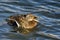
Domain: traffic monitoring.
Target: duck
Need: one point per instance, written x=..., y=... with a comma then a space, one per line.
x=23, y=21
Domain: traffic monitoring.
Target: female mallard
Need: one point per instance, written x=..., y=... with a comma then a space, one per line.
x=27, y=22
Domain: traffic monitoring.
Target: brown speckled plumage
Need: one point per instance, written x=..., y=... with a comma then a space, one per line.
x=28, y=21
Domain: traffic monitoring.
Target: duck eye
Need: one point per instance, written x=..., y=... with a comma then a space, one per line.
x=35, y=17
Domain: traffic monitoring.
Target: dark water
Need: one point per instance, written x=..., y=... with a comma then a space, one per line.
x=48, y=12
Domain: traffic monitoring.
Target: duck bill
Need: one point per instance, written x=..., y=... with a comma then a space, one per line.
x=36, y=20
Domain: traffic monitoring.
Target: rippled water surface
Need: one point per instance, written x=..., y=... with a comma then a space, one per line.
x=48, y=12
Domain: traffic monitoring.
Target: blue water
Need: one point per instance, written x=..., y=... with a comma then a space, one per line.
x=47, y=11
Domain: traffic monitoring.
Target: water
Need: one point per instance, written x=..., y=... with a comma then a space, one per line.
x=48, y=12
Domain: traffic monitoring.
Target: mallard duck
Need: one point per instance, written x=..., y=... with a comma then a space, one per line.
x=27, y=21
